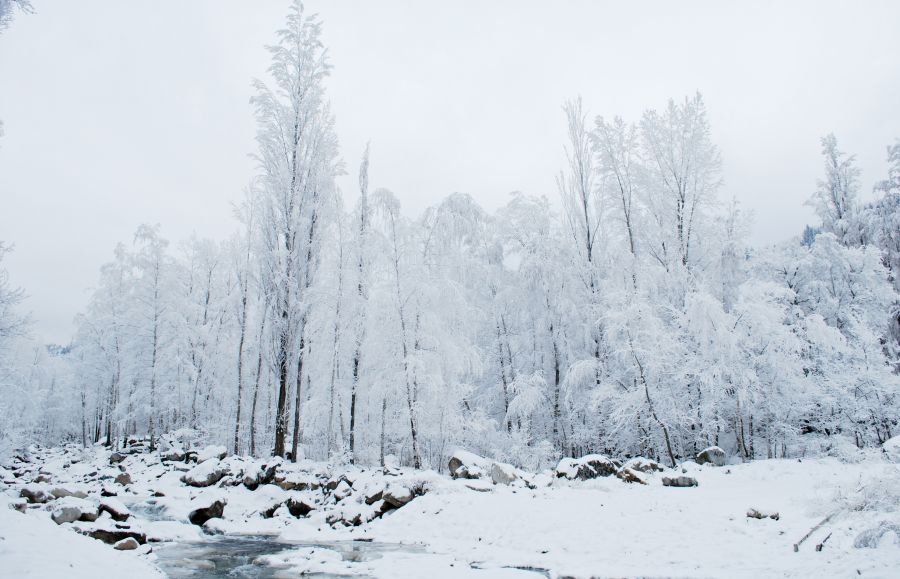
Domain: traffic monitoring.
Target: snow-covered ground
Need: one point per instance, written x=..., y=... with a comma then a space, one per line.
x=538, y=525
x=34, y=546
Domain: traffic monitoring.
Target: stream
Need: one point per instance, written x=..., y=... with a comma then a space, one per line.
x=236, y=557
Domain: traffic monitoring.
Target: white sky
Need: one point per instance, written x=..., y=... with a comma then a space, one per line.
x=118, y=113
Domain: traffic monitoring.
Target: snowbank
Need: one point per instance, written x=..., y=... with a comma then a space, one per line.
x=34, y=546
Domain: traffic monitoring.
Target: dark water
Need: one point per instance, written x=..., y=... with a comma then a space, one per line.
x=236, y=557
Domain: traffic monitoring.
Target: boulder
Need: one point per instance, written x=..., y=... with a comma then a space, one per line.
x=36, y=494
x=713, y=456
x=334, y=482
x=71, y=509
x=126, y=544
x=206, y=510
x=374, y=496
x=123, y=478
x=398, y=495
x=679, y=481
x=587, y=467
x=342, y=491
x=107, y=490
x=468, y=465
x=116, y=509
x=263, y=476
x=20, y=505
x=173, y=455
x=219, y=452
x=645, y=465
x=60, y=492
x=502, y=473
x=41, y=478
x=205, y=474
x=112, y=535
x=298, y=508
x=116, y=458
x=296, y=482
x=758, y=514
x=630, y=475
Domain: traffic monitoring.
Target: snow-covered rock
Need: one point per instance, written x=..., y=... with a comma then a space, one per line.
x=206, y=508
x=713, y=456
x=205, y=474
x=645, y=465
x=265, y=474
x=111, y=533
x=587, y=467
x=398, y=494
x=342, y=491
x=762, y=514
x=465, y=464
x=298, y=481
x=36, y=493
x=219, y=452
x=630, y=475
x=298, y=508
x=116, y=509
x=503, y=474
x=123, y=479
x=126, y=544
x=71, y=509
x=60, y=492
x=679, y=481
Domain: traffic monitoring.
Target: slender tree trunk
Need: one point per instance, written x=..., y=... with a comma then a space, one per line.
x=298, y=399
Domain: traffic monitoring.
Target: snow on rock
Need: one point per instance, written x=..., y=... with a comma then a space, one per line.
x=630, y=475
x=465, y=464
x=587, y=467
x=127, y=544
x=503, y=474
x=398, y=494
x=261, y=475
x=762, y=514
x=24, y=544
x=713, y=456
x=116, y=509
x=679, y=481
x=71, y=509
x=645, y=465
x=60, y=492
x=204, y=508
x=300, y=481
x=110, y=532
x=205, y=474
x=36, y=493
x=219, y=452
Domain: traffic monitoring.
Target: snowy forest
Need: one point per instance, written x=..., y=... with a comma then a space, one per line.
x=624, y=314
x=611, y=379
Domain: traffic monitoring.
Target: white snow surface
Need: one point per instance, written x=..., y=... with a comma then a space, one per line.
x=34, y=546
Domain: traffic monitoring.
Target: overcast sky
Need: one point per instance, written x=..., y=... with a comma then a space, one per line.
x=118, y=113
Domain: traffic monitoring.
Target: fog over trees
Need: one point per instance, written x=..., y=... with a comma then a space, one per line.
x=632, y=318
